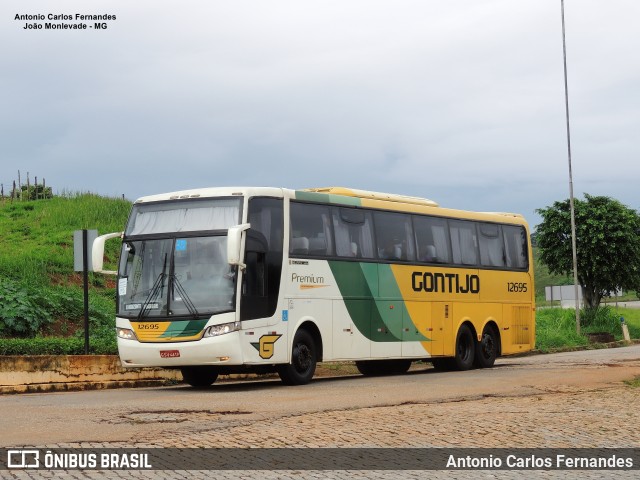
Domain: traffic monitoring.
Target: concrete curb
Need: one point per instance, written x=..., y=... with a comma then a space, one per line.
x=55, y=373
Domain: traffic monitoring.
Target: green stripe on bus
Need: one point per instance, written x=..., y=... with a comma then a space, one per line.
x=374, y=301
x=356, y=282
x=184, y=328
x=328, y=198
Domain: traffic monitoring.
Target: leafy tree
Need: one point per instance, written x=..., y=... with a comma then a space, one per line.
x=607, y=243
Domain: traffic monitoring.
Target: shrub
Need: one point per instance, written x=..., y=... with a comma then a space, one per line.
x=100, y=343
x=556, y=328
x=22, y=311
x=600, y=319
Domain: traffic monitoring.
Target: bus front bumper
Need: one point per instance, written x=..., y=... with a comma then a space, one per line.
x=221, y=350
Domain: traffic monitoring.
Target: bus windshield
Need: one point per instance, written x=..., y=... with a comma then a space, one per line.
x=175, y=277
x=173, y=261
x=184, y=216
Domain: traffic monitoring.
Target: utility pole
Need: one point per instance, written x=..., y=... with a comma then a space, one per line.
x=571, y=203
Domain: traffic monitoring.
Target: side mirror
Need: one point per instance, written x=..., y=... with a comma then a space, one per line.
x=97, y=253
x=234, y=244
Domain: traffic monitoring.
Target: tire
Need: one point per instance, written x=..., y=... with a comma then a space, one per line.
x=465, y=349
x=303, y=360
x=374, y=368
x=397, y=367
x=487, y=349
x=441, y=364
x=367, y=368
x=199, y=376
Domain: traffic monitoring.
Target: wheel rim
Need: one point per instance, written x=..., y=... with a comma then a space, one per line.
x=303, y=358
x=487, y=346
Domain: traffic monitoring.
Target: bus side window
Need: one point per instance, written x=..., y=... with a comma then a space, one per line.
x=515, y=239
x=310, y=230
x=491, y=243
x=432, y=238
x=353, y=232
x=394, y=236
x=464, y=242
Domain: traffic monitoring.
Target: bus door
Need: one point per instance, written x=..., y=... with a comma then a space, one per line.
x=441, y=329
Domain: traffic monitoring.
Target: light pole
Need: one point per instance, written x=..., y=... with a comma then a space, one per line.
x=571, y=206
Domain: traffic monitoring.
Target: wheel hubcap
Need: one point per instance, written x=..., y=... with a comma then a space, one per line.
x=303, y=358
x=487, y=346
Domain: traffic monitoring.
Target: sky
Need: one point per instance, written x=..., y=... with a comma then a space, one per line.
x=458, y=101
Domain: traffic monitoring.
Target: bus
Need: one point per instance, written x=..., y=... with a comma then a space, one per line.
x=230, y=280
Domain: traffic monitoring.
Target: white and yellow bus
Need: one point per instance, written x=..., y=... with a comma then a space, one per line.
x=227, y=280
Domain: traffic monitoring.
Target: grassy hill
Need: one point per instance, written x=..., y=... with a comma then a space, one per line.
x=37, y=237
x=40, y=294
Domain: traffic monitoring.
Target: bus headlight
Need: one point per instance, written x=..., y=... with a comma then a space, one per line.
x=126, y=333
x=216, y=330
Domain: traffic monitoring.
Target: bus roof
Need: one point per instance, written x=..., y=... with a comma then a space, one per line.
x=373, y=199
x=389, y=197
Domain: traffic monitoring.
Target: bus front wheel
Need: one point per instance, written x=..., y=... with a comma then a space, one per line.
x=199, y=376
x=465, y=349
x=303, y=360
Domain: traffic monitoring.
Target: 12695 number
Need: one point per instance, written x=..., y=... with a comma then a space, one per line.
x=516, y=287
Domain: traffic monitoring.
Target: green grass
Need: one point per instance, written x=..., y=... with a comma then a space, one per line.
x=36, y=242
x=556, y=327
x=41, y=294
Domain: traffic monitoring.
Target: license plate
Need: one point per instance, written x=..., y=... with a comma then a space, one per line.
x=169, y=353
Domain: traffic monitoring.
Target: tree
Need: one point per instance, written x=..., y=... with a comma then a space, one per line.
x=607, y=243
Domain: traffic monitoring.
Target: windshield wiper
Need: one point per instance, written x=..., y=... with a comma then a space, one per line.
x=158, y=286
x=183, y=295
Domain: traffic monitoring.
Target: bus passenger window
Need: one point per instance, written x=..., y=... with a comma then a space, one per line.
x=491, y=245
x=515, y=238
x=432, y=238
x=310, y=230
x=353, y=233
x=394, y=236
x=463, y=242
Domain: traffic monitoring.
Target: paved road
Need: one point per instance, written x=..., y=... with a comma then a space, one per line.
x=575, y=399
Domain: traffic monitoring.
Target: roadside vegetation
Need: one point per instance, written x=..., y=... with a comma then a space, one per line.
x=41, y=299
x=556, y=327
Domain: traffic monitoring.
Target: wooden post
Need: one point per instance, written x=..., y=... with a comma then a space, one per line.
x=44, y=187
x=13, y=192
x=28, y=188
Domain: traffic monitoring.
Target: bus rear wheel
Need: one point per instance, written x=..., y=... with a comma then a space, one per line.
x=303, y=360
x=199, y=376
x=487, y=349
x=465, y=349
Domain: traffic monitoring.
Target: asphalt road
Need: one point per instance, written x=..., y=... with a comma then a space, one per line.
x=182, y=416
